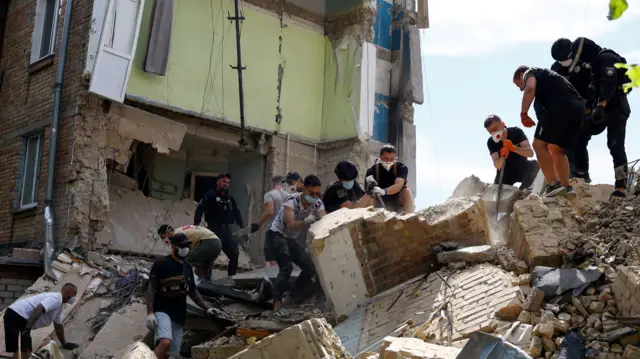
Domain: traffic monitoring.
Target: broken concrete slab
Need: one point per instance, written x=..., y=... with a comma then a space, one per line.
x=413, y=348
x=221, y=348
x=626, y=290
x=469, y=187
x=590, y=197
x=123, y=327
x=508, y=197
x=311, y=339
x=366, y=251
x=137, y=350
x=540, y=227
x=476, y=294
x=475, y=254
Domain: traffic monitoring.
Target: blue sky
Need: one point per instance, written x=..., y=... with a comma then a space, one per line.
x=468, y=60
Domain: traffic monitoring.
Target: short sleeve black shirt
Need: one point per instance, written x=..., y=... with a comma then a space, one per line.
x=516, y=165
x=173, y=281
x=335, y=195
x=553, y=91
x=386, y=178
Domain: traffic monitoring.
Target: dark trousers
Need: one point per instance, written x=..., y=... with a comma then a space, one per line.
x=14, y=327
x=618, y=112
x=286, y=252
x=525, y=178
x=229, y=247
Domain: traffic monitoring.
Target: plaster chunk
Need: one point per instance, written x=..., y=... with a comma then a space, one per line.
x=413, y=348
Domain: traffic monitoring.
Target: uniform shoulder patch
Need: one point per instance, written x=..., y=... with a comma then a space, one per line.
x=609, y=71
x=342, y=193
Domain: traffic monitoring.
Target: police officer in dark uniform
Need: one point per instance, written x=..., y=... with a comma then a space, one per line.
x=346, y=191
x=611, y=109
x=220, y=212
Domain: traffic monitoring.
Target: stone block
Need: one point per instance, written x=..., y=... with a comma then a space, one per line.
x=311, y=339
x=137, y=350
x=359, y=253
x=413, y=348
x=475, y=254
x=631, y=352
x=540, y=228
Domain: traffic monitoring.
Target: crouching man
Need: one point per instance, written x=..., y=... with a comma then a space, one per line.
x=204, y=247
x=36, y=312
x=170, y=281
x=298, y=212
x=346, y=192
x=390, y=179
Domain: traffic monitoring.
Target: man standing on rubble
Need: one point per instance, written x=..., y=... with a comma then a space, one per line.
x=170, y=281
x=346, y=192
x=559, y=109
x=611, y=108
x=272, y=202
x=204, y=247
x=220, y=212
x=510, y=144
x=36, y=312
x=389, y=178
x=298, y=211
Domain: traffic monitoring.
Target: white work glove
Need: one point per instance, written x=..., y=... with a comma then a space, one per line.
x=215, y=312
x=379, y=191
x=152, y=322
x=311, y=219
x=370, y=180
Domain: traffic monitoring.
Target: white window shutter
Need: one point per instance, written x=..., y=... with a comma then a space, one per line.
x=117, y=48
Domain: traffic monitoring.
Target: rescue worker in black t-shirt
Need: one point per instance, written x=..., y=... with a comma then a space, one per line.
x=559, y=109
x=610, y=109
x=220, y=212
x=388, y=178
x=510, y=144
x=346, y=191
x=170, y=281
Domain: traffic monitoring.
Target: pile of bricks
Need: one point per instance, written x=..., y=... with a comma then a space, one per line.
x=12, y=289
x=626, y=290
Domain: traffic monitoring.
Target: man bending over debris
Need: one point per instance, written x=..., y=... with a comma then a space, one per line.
x=503, y=142
x=220, y=212
x=35, y=312
x=204, y=247
x=272, y=202
x=346, y=192
x=170, y=280
x=298, y=211
x=559, y=109
x=390, y=179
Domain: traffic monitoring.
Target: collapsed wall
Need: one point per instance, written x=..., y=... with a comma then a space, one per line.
x=359, y=253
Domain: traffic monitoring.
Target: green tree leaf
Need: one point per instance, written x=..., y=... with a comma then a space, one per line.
x=617, y=8
x=633, y=73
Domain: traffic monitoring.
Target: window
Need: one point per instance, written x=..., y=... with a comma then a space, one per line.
x=43, y=41
x=29, y=171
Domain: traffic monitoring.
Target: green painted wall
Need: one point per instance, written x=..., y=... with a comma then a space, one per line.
x=341, y=107
x=199, y=78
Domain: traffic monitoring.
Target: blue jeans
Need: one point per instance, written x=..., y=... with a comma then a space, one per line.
x=168, y=329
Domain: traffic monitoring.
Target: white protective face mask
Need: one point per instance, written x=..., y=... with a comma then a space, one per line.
x=182, y=252
x=566, y=63
x=497, y=136
x=387, y=165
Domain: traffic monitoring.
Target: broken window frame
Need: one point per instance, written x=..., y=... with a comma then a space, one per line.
x=28, y=162
x=45, y=28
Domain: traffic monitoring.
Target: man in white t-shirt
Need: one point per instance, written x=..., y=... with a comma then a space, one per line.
x=272, y=202
x=298, y=212
x=36, y=312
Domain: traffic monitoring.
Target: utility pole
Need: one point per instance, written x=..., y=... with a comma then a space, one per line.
x=237, y=18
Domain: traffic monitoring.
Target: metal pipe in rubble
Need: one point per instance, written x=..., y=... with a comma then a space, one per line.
x=49, y=244
x=239, y=68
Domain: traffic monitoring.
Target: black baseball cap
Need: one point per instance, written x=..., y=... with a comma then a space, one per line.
x=180, y=240
x=293, y=176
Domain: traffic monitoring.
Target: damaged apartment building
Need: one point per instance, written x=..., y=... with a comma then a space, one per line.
x=142, y=104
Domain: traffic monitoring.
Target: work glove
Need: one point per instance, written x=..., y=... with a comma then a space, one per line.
x=215, y=312
x=379, y=191
x=508, y=145
x=371, y=180
x=255, y=227
x=311, y=219
x=152, y=322
x=70, y=346
x=526, y=120
x=504, y=152
x=598, y=116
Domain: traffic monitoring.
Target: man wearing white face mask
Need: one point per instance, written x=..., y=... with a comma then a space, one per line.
x=510, y=144
x=36, y=312
x=346, y=191
x=170, y=281
x=391, y=176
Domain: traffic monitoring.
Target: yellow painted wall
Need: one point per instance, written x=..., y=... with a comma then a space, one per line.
x=199, y=78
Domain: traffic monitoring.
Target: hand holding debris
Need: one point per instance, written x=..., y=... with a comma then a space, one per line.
x=379, y=191
x=215, y=312
x=255, y=227
x=370, y=180
x=152, y=322
x=70, y=346
x=311, y=219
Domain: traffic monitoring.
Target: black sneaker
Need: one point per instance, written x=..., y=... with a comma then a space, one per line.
x=617, y=194
x=571, y=194
x=553, y=190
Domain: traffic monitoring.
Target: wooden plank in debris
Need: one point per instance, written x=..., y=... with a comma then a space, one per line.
x=248, y=333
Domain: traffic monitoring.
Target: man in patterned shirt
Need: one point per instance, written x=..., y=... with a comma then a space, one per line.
x=298, y=212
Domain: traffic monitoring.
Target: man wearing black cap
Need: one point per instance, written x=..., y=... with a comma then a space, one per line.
x=389, y=178
x=220, y=212
x=346, y=191
x=204, y=247
x=610, y=110
x=170, y=281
